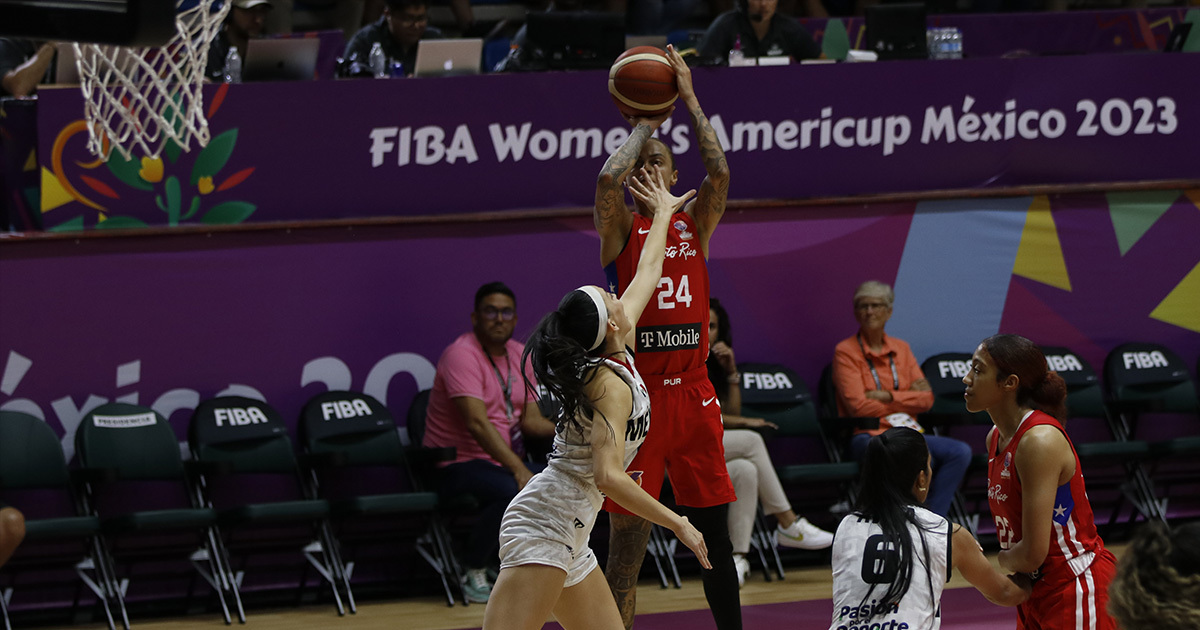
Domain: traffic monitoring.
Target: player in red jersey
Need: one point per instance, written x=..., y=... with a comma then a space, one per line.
x=672, y=345
x=1035, y=488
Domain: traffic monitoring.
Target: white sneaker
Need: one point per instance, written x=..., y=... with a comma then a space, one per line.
x=475, y=586
x=803, y=535
x=743, y=568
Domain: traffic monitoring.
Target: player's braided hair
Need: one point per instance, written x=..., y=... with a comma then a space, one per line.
x=1157, y=585
x=891, y=464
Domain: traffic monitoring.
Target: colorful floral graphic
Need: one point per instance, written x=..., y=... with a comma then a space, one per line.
x=137, y=192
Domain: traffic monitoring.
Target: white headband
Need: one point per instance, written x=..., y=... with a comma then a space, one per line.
x=601, y=312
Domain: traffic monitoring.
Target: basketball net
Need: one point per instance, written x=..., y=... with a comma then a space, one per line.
x=145, y=97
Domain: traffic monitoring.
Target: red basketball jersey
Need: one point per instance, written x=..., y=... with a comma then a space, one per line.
x=672, y=335
x=1074, y=541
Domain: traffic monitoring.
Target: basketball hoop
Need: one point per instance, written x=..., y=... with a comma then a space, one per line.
x=147, y=96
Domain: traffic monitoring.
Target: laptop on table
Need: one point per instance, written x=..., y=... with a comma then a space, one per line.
x=448, y=57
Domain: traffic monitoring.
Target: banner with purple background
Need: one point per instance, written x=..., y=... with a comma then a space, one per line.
x=367, y=148
x=169, y=320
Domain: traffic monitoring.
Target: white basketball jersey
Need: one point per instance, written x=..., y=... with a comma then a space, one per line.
x=863, y=557
x=573, y=448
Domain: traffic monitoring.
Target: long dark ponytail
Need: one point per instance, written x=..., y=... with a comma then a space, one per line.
x=891, y=464
x=557, y=349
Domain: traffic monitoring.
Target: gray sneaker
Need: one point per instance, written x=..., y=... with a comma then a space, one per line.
x=475, y=586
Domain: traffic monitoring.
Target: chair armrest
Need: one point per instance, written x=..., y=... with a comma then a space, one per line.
x=331, y=459
x=93, y=475
x=197, y=467
x=427, y=456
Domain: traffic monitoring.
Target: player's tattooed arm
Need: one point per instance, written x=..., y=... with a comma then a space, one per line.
x=709, y=206
x=612, y=218
x=610, y=196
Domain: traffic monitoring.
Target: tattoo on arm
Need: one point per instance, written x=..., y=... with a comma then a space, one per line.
x=710, y=202
x=610, y=198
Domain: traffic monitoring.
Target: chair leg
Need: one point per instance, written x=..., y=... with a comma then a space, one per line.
x=431, y=549
x=113, y=592
x=441, y=537
x=324, y=568
x=231, y=581
x=666, y=547
x=333, y=551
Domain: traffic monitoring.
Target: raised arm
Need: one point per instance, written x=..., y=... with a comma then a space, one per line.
x=974, y=566
x=611, y=215
x=613, y=404
x=709, y=206
x=652, y=191
x=1044, y=461
x=23, y=80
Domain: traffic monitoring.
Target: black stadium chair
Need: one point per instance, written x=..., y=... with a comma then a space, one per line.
x=136, y=481
x=806, y=456
x=31, y=459
x=1098, y=453
x=248, y=472
x=948, y=415
x=1146, y=380
x=346, y=434
x=425, y=474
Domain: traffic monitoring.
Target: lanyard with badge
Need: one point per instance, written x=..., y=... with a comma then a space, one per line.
x=514, y=429
x=896, y=419
x=871, y=364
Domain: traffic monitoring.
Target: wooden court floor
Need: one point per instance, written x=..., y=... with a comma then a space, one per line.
x=431, y=613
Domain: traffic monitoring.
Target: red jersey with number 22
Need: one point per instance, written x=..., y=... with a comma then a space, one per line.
x=672, y=335
x=1074, y=541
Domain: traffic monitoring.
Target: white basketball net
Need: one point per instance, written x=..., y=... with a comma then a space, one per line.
x=148, y=96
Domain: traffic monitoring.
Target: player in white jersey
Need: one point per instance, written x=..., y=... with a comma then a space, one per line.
x=891, y=556
x=581, y=353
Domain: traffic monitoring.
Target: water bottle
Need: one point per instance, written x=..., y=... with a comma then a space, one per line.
x=954, y=48
x=378, y=61
x=233, y=66
x=736, y=56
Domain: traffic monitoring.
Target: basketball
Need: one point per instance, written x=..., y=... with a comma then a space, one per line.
x=642, y=82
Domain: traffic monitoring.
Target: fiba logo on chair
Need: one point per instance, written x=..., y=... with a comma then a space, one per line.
x=341, y=409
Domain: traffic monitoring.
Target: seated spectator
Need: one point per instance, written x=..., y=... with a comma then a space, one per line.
x=12, y=531
x=877, y=376
x=246, y=19
x=404, y=23
x=24, y=63
x=525, y=55
x=761, y=31
x=746, y=457
x=1157, y=586
x=480, y=406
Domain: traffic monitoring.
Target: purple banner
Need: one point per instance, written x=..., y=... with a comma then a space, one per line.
x=170, y=320
x=371, y=148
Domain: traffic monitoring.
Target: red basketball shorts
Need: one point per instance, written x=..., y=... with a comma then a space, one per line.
x=1072, y=603
x=685, y=441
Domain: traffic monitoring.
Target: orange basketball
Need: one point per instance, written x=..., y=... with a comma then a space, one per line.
x=642, y=82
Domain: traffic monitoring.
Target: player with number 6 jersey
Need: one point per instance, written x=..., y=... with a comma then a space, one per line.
x=672, y=345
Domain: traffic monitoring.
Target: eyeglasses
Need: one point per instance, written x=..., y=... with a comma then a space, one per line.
x=492, y=313
x=867, y=306
x=410, y=20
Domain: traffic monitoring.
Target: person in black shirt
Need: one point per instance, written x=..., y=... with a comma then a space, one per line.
x=404, y=23
x=763, y=32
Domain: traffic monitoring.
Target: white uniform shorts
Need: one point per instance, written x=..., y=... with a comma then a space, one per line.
x=549, y=522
